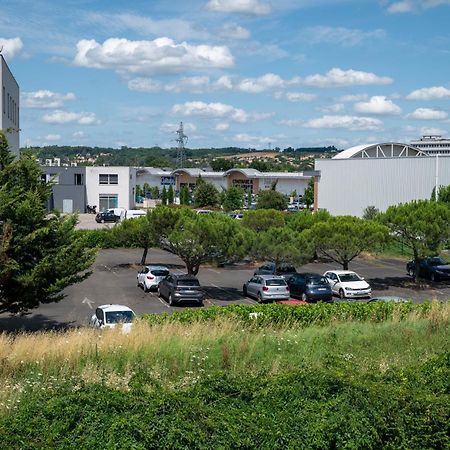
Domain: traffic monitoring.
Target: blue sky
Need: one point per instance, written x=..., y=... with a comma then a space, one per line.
x=248, y=73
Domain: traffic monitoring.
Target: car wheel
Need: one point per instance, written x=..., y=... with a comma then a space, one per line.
x=102, y=221
x=171, y=301
x=159, y=293
x=260, y=299
x=341, y=294
x=411, y=272
x=244, y=290
x=304, y=298
x=146, y=289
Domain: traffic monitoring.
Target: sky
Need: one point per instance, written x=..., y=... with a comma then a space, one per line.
x=246, y=73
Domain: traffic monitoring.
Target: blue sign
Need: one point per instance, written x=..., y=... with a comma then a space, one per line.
x=167, y=181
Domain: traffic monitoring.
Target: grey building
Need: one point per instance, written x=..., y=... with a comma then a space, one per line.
x=9, y=101
x=69, y=188
x=378, y=175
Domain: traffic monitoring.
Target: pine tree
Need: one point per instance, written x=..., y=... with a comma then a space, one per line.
x=164, y=196
x=170, y=195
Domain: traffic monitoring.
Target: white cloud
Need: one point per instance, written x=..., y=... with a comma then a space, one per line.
x=353, y=98
x=427, y=131
x=337, y=77
x=65, y=117
x=250, y=7
x=263, y=83
x=431, y=93
x=337, y=107
x=222, y=126
x=341, y=36
x=173, y=127
x=161, y=55
x=428, y=114
x=44, y=99
x=300, y=97
x=348, y=122
x=292, y=122
x=234, y=31
x=251, y=140
x=378, y=104
x=11, y=47
x=52, y=137
x=78, y=134
x=407, y=6
x=196, y=85
x=144, y=85
x=217, y=110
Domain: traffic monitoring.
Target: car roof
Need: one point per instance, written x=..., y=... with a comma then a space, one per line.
x=115, y=307
x=309, y=274
x=185, y=276
x=340, y=272
x=271, y=277
x=156, y=267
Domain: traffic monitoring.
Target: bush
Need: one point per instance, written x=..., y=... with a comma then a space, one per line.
x=102, y=238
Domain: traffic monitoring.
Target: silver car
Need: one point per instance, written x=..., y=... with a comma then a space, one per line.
x=266, y=288
x=150, y=276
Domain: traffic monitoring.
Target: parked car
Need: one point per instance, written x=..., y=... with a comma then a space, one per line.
x=204, y=211
x=106, y=216
x=109, y=316
x=150, y=276
x=388, y=299
x=132, y=214
x=181, y=288
x=237, y=216
x=347, y=284
x=266, y=287
x=310, y=287
x=270, y=268
x=434, y=268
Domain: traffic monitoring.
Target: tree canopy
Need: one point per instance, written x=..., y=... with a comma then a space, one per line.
x=263, y=219
x=232, y=198
x=205, y=194
x=271, y=199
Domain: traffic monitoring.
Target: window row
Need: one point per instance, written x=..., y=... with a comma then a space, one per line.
x=10, y=107
x=108, y=179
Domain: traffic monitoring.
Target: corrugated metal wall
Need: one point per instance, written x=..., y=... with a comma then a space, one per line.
x=348, y=186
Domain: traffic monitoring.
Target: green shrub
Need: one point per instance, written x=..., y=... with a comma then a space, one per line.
x=101, y=238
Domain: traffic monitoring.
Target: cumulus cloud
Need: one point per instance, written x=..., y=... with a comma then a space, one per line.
x=45, y=99
x=221, y=110
x=144, y=85
x=353, y=98
x=196, y=85
x=407, y=6
x=300, y=97
x=337, y=107
x=222, y=126
x=234, y=31
x=428, y=114
x=251, y=140
x=78, y=134
x=377, y=104
x=263, y=83
x=337, y=77
x=65, y=117
x=52, y=137
x=250, y=7
x=161, y=55
x=348, y=122
x=346, y=37
x=431, y=93
x=11, y=47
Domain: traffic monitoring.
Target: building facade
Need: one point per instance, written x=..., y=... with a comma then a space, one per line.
x=433, y=145
x=10, y=113
x=357, y=178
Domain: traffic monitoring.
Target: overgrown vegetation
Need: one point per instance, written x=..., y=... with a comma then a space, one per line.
x=348, y=383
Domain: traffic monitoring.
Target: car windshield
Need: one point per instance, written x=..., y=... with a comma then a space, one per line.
x=160, y=272
x=437, y=262
x=119, y=317
x=346, y=277
x=316, y=280
x=275, y=282
x=189, y=283
x=286, y=269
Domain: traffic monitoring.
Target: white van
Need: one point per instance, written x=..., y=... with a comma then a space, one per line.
x=132, y=214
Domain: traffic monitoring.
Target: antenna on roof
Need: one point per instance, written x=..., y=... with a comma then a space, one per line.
x=181, y=152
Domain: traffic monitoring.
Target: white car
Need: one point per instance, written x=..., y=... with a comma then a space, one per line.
x=348, y=284
x=150, y=276
x=108, y=316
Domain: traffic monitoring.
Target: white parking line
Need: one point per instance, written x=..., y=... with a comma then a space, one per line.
x=163, y=302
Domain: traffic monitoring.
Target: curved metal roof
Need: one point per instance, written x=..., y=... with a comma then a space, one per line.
x=249, y=173
x=193, y=172
x=384, y=150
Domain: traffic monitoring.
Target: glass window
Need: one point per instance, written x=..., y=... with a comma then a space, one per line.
x=113, y=179
x=160, y=273
x=346, y=277
x=119, y=317
x=108, y=178
x=275, y=282
x=188, y=283
x=78, y=179
x=54, y=178
x=316, y=280
x=108, y=201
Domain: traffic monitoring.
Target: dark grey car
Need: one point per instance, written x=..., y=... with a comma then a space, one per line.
x=270, y=268
x=181, y=288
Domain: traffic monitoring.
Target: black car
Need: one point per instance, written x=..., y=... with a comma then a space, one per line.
x=107, y=216
x=310, y=287
x=270, y=268
x=434, y=268
x=181, y=288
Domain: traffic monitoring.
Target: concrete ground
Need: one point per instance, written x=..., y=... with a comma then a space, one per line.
x=87, y=222
x=114, y=281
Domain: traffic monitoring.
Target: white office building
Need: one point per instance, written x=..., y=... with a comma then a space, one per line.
x=9, y=117
x=433, y=145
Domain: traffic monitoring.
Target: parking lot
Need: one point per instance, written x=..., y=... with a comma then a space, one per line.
x=114, y=281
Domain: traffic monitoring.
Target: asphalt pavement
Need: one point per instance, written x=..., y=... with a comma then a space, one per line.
x=114, y=281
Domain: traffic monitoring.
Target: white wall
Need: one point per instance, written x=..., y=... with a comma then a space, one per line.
x=124, y=188
x=285, y=185
x=348, y=186
x=11, y=92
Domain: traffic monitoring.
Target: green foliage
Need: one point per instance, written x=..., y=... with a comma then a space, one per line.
x=306, y=219
x=371, y=213
x=100, y=238
x=263, y=219
x=308, y=195
x=221, y=164
x=343, y=238
x=443, y=196
x=205, y=194
x=40, y=255
x=271, y=199
x=260, y=165
x=164, y=196
x=170, y=195
x=422, y=225
x=233, y=198
x=6, y=157
x=184, y=196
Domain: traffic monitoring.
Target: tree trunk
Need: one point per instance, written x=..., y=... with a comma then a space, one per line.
x=416, y=266
x=144, y=256
x=192, y=267
x=345, y=264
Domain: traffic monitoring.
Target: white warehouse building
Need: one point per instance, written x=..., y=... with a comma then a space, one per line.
x=378, y=175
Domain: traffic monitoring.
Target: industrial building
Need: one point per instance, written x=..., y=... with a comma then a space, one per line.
x=432, y=145
x=10, y=115
x=378, y=175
